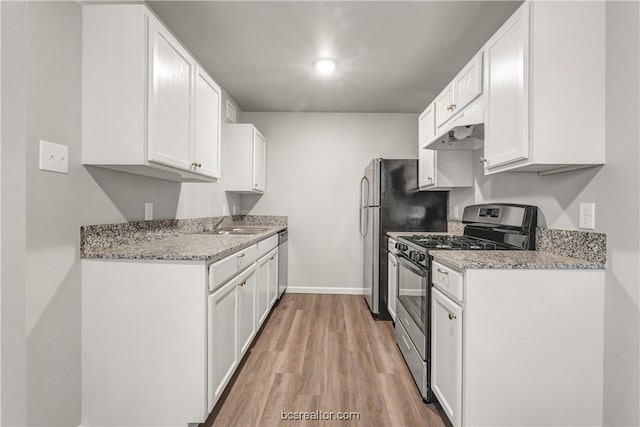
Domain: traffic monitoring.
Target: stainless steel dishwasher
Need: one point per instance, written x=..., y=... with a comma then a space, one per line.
x=283, y=238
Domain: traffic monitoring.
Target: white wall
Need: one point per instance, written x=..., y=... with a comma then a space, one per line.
x=615, y=188
x=12, y=168
x=314, y=165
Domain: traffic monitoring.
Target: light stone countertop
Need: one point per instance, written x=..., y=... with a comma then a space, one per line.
x=513, y=260
x=199, y=246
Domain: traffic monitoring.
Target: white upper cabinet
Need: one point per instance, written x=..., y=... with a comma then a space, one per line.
x=207, y=125
x=440, y=170
x=545, y=89
x=170, y=97
x=244, y=149
x=458, y=94
x=148, y=107
x=444, y=105
x=467, y=85
x=259, y=160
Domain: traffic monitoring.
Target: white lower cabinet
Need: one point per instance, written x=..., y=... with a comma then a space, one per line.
x=223, y=328
x=273, y=277
x=262, y=292
x=507, y=342
x=446, y=354
x=160, y=335
x=246, y=284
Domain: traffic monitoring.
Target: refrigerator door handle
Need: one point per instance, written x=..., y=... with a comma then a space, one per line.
x=366, y=203
x=363, y=206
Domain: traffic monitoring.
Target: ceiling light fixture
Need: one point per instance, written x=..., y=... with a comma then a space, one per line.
x=325, y=66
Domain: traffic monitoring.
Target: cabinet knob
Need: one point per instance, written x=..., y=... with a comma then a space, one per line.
x=451, y=107
x=196, y=164
x=451, y=316
x=483, y=160
x=430, y=179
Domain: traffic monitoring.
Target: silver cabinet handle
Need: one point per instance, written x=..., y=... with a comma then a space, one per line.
x=441, y=271
x=451, y=316
x=241, y=255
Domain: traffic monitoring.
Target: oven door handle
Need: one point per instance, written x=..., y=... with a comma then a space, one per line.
x=411, y=266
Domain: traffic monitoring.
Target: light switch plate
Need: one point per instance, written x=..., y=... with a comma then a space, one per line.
x=588, y=216
x=54, y=157
x=148, y=211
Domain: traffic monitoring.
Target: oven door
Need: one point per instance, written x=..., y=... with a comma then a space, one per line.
x=412, y=311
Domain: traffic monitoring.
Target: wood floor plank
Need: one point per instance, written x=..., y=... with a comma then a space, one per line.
x=324, y=353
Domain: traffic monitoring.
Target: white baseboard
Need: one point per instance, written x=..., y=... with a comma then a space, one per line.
x=324, y=290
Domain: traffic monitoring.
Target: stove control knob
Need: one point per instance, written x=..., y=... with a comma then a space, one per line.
x=421, y=257
x=412, y=254
x=403, y=247
x=397, y=245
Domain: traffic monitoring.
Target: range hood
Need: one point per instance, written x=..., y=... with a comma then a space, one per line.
x=465, y=132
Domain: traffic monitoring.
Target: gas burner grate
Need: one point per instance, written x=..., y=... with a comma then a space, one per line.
x=455, y=242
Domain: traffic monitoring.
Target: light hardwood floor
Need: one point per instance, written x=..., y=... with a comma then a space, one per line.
x=326, y=353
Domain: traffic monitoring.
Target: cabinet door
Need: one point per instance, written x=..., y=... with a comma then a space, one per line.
x=467, y=85
x=259, y=161
x=392, y=287
x=426, y=168
x=246, y=310
x=426, y=158
x=262, y=292
x=444, y=105
x=446, y=355
x=273, y=277
x=222, y=335
x=206, y=134
x=426, y=126
x=171, y=80
x=507, y=101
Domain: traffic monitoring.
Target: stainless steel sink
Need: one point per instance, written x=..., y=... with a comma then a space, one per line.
x=238, y=231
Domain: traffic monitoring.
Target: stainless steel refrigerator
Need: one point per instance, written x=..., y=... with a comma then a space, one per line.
x=390, y=201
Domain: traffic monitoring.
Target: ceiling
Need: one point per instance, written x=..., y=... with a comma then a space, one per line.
x=392, y=56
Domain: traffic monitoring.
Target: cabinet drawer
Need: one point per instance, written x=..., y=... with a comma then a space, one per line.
x=228, y=267
x=267, y=245
x=449, y=281
x=416, y=364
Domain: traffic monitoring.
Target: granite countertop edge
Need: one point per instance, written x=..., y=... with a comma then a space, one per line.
x=513, y=260
x=133, y=252
x=506, y=260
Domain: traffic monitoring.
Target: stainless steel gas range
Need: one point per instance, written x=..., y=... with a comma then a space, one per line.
x=487, y=227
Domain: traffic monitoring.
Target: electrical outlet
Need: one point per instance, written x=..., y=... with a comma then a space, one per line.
x=225, y=210
x=456, y=212
x=588, y=216
x=148, y=211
